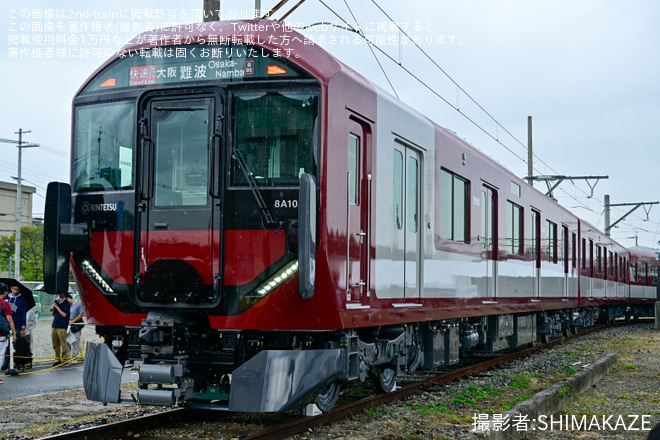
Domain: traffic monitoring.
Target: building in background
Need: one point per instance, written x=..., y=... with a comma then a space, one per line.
x=8, y=207
x=8, y=210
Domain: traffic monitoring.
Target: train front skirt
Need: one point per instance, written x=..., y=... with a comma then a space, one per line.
x=271, y=381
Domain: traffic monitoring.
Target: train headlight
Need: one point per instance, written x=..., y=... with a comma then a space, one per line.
x=273, y=282
x=95, y=276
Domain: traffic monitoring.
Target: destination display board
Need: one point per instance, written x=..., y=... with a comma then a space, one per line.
x=189, y=63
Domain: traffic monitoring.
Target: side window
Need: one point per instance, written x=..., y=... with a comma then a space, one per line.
x=634, y=273
x=353, y=167
x=453, y=207
x=514, y=228
x=574, y=249
x=584, y=253
x=535, y=238
x=397, y=191
x=488, y=202
x=642, y=273
x=552, y=242
x=565, y=246
x=654, y=275
x=412, y=196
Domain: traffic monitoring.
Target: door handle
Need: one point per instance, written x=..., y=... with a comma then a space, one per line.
x=160, y=226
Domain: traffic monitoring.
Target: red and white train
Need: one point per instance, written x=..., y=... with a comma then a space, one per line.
x=256, y=224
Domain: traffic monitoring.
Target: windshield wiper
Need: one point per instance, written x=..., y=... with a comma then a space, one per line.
x=180, y=109
x=265, y=212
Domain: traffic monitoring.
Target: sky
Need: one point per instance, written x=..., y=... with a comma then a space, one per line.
x=587, y=72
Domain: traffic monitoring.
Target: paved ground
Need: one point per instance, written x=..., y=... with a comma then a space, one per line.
x=43, y=378
x=43, y=346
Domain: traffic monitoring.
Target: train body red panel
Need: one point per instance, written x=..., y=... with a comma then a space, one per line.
x=253, y=203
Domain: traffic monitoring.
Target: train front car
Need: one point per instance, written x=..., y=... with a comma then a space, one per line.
x=191, y=218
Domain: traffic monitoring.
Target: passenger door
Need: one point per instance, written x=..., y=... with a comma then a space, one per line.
x=358, y=224
x=488, y=237
x=407, y=218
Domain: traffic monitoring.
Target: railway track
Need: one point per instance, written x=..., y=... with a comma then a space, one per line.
x=130, y=428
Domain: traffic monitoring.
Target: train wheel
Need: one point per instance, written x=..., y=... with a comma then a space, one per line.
x=327, y=397
x=386, y=380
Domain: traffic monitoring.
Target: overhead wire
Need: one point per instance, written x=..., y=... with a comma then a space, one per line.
x=446, y=101
x=372, y=52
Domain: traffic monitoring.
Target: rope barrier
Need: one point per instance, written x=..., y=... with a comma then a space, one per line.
x=65, y=362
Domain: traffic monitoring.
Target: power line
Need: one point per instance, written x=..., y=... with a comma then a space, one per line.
x=348, y=27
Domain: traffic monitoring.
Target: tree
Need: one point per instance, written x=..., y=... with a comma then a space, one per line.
x=32, y=252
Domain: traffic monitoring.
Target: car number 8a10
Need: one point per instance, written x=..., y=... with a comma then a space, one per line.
x=286, y=203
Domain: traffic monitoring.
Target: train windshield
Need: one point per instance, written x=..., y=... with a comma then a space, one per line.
x=103, y=147
x=275, y=133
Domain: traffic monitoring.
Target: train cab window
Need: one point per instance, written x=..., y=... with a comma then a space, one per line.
x=353, y=167
x=181, y=133
x=275, y=132
x=453, y=206
x=103, y=144
x=552, y=242
x=514, y=228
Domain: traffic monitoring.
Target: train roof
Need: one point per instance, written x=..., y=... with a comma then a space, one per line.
x=288, y=43
x=276, y=37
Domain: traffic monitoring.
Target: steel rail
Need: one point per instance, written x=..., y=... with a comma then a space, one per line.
x=121, y=429
x=300, y=425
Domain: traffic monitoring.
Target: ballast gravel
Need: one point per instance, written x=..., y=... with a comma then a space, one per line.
x=447, y=412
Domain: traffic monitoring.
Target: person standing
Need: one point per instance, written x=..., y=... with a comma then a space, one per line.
x=22, y=354
x=31, y=324
x=60, y=309
x=5, y=310
x=76, y=323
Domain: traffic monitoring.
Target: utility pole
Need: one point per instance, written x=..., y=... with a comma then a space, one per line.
x=212, y=10
x=530, y=153
x=19, y=202
x=607, y=214
x=608, y=205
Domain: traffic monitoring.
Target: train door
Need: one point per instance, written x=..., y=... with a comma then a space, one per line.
x=359, y=199
x=488, y=240
x=565, y=254
x=178, y=246
x=536, y=252
x=407, y=227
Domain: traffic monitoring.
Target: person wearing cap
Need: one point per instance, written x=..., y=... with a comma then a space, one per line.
x=5, y=310
x=60, y=309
